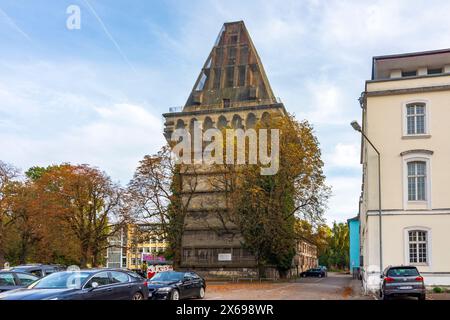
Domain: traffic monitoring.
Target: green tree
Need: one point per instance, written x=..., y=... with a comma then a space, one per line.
x=266, y=208
x=336, y=253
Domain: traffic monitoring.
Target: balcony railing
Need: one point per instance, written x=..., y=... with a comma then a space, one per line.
x=175, y=109
x=220, y=105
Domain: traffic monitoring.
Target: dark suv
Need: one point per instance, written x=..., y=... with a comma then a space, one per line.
x=402, y=281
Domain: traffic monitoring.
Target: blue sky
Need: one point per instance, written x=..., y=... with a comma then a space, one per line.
x=74, y=96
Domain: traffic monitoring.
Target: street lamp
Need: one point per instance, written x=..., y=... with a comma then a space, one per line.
x=355, y=125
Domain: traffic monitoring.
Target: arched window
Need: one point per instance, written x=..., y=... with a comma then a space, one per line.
x=208, y=123
x=222, y=122
x=417, y=180
x=251, y=121
x=418, y=246
x=265, y=118
x=180, y=124
x=417, y=173
x=236, y=123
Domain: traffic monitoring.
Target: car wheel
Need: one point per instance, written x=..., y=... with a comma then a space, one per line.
x=385, y=296
x=422, y=297
x=201, y=293
x=138, y=296
x=175, y=295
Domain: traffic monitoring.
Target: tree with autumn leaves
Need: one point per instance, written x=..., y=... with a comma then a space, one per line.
x=65, y=213
x=263, y=208
x=59, y=214
x=268, y=207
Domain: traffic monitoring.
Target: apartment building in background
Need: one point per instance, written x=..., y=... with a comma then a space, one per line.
x=306, y=257
x=405, y=107
x=134, y=244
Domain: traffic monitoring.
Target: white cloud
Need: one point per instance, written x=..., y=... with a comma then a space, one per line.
x=326, y=103
x=115, y=140
x=344, y=156
x=344, y=202
x=53, y=113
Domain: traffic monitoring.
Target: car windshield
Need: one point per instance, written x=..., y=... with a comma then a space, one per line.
x=168, y=276
x=403, y=272
x=62, y=280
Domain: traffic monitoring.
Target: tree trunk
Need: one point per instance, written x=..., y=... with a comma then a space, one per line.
x=84, y=254
x=2, y=250
x=261, y=269
x=23, y=254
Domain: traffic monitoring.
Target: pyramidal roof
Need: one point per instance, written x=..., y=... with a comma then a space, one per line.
x=232, y=75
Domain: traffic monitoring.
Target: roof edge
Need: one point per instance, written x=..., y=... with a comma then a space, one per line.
x=411, y=54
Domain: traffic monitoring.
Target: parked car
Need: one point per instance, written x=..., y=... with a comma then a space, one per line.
x=93, y=284
x=171, y=285
x=314, y=272
x=402, y=281
x=39, y=270
x=10, y=280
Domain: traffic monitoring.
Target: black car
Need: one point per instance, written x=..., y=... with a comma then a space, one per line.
x=94, y=284
x=402, y=281
x=10, y=280
x=39, y=270
x=315, y=272
x=171, y=285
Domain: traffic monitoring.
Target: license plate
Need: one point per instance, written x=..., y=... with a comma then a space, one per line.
x=405, y=288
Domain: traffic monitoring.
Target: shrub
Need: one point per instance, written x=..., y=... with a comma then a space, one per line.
x=438, y=290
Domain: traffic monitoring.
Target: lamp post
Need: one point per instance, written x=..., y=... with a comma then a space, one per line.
x=355, y=125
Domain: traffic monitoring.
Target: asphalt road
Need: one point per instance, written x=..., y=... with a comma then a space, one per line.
x=334, y=287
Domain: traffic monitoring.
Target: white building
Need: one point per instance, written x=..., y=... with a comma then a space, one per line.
x=405, y=111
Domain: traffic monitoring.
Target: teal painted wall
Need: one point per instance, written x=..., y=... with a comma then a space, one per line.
x=353, y=225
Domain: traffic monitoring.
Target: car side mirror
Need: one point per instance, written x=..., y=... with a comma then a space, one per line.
x=94, y=286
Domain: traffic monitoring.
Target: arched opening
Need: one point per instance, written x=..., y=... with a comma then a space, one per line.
x=250, y=123
x=236, y=123
x=208, y=123
x=180, y=124
x=222, y=122
x=266, y=118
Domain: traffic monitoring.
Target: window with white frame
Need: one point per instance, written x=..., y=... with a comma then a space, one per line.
x=416, y=118
x=418, y=246
x=417, y=177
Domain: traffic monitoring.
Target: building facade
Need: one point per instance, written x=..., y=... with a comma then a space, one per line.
x=134, y=244
x=305, y=257
x=354, y=247
x=232, y=91
x=404, y=110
